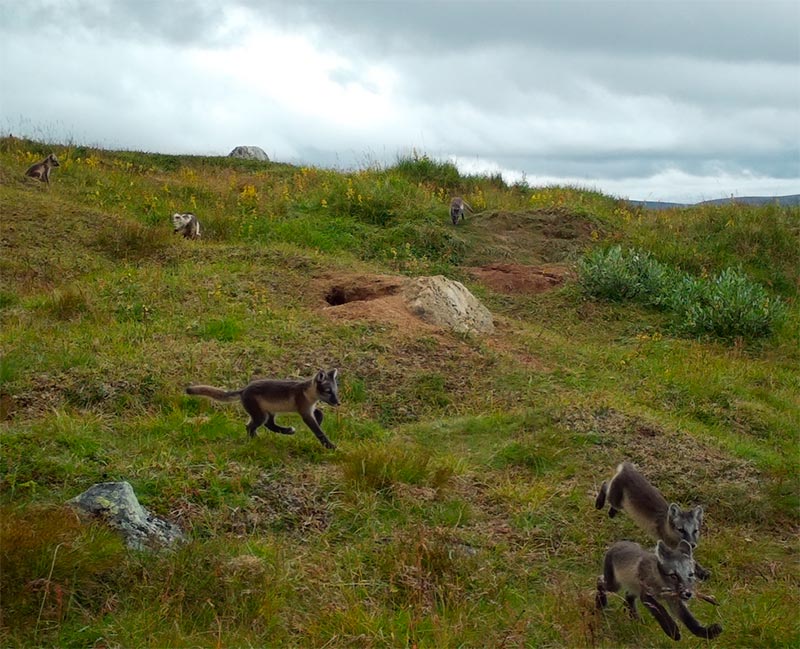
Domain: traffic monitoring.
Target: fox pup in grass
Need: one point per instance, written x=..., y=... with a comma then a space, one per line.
x=666, y=574
x=263, y=399
x=630, y=491
x=187, y=224
x=41, y=170
x=457, y=206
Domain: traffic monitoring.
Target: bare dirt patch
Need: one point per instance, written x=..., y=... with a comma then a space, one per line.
x=518, y=278
x=528, y=236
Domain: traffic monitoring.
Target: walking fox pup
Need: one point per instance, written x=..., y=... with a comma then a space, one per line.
x=630, y=491
x=41, y=170
x=667, y=575
x=457, y=206
x=264, y=398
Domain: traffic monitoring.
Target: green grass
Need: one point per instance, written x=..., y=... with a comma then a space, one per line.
x=458, y=510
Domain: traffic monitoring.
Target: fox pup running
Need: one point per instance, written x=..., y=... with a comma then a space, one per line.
x=187, y=224
x=457, y=206
x=630, y=491
x=665, y=574
x=41, y=170
x=263, y=399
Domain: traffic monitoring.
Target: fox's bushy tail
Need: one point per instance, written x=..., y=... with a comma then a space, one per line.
x=214, y=393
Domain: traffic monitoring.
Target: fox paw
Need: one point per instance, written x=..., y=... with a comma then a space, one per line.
x=713, y=631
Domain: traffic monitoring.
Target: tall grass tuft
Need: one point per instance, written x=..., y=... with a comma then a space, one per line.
x=383, y=467
x=423, y=169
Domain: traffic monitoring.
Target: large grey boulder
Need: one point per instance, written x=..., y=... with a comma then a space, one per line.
x=446, y=303
x=117, y=505
x=249, y=153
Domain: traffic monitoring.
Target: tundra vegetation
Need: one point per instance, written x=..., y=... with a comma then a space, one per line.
x=459, y=508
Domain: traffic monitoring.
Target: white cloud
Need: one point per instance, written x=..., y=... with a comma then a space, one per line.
x=611, y=95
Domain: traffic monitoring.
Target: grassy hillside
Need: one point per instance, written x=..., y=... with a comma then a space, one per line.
x=458, y=510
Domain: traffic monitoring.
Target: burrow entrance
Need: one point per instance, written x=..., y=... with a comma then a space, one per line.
x=362, y=289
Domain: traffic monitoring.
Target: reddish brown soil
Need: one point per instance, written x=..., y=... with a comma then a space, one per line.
x=516, y=278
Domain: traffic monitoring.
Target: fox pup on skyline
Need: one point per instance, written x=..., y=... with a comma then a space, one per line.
x=630, y=491
x=665, y=574
x=264, y=398
x=41, y=170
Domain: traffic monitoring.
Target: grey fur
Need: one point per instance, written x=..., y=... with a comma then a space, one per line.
x=666, y=575
x=630, y=491
x=264, y=398
x=186, y=224
x=41, y=170
x=457, y=206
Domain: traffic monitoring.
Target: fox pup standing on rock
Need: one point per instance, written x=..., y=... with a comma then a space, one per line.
x=263, y=399
x=666, y=575
x=630, y=491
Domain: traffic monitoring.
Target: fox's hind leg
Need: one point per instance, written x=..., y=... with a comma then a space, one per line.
x=257, y=416
x=600, y=501
x=275, y=428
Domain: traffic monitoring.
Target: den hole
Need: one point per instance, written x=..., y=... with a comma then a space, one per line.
x=337, y=295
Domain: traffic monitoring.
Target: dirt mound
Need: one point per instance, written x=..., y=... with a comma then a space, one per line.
x=518, y=278
x=375, y=298
x=411, y=303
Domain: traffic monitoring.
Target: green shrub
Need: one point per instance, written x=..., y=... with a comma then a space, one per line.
x=730, y=305
x=618, y=275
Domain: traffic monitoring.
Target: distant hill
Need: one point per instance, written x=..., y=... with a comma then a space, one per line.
x=792, y=200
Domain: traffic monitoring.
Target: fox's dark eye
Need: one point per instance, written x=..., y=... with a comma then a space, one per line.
x=691, y=575
x=674, y=577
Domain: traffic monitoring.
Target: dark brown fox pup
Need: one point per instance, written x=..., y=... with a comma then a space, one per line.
x=263, y=399
x=630, y=491
x=666, y=575
x=41, y=170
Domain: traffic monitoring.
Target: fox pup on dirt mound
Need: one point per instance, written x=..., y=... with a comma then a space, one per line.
x=263, y=399
x=666, y=575
x=630, y=491
x=41, y=170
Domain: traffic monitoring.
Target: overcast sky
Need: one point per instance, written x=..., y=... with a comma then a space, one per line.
x=648, y=99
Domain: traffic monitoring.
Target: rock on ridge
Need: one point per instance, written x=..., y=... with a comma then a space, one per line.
x=249, y=153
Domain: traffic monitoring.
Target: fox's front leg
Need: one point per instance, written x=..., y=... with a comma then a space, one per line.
x=311, y=422
x=709, y=632
x=662, y=616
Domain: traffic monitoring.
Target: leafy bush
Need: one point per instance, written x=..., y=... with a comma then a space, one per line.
x=618, y=275
x=729, y=305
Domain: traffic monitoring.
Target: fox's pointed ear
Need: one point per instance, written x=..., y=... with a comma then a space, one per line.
x=674, y=511
x=320, y=377
x=698, y=513
x=661, y=550
x=333, y=374
x=685, y=548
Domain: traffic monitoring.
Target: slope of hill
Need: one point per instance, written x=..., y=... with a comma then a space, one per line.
x=458, y=509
